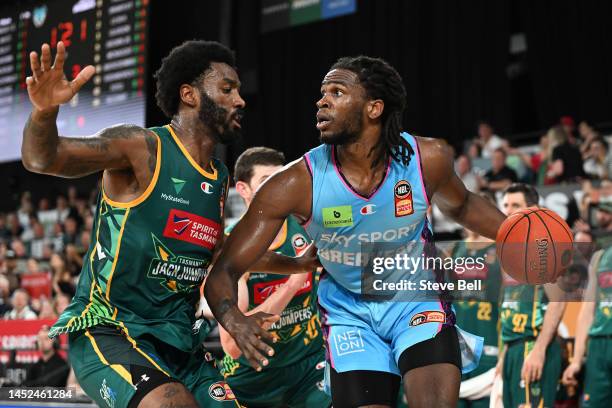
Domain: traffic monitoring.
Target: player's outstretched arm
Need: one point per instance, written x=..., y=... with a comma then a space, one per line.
x=285, y=193
x=448, y=192
x=43, y=151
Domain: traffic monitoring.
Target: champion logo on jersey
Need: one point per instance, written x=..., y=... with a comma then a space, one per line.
x=368, y=209
x=206, y=187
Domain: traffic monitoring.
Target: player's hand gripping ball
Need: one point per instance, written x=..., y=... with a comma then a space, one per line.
x=534, y=246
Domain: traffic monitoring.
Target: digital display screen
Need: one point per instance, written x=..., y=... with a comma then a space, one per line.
x=108, y=34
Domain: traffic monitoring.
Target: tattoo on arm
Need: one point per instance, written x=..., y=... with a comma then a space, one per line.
x=40, y=142
x=152, y=149
x=76, y=164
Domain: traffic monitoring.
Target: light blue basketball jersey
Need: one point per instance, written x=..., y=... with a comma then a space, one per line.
x=342, y=219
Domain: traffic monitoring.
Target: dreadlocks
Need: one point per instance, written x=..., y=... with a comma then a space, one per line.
x=381, y=81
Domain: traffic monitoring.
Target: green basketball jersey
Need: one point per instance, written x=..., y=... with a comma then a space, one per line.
x=481, y=314
x=148, y=257
x=522, y=310
x=298, y=331
x=602, y=321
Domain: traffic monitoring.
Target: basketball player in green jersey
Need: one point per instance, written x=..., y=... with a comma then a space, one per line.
x=531, y=362
x=294, y=376
x=158, y=221
x=595, y=323
x=480, y=313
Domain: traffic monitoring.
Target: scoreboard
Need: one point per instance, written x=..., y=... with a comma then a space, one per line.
x=108, y=34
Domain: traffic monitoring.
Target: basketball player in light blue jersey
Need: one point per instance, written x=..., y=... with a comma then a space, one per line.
x=368, y=182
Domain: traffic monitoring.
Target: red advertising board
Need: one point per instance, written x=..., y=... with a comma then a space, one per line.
x=37, y=284
x=21, y=335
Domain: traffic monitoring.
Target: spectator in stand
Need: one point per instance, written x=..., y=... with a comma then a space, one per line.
x=463, y=166
x=566, y=158
x=12, y=222
x=28, y=231
x=88, y=222
x=488, y=140
x=20, y=249
x=62, y=278
x=500, y=176
x=21, y=309
x=61, y=302
x=9, y=270
x=57, y=240
x=46, y=216
x=61, y=211
x=37, y=245
x=84, y=240
x=47, y=250
x=25, y=210
x=587, y=134
x=5, y=232
x=47, y=310
x=51, y=370
x=537, y=164
x=74, y=259
x=603, y=218
x=73, y=196
x=5, y=290
x=474, y=151
x=32, y=266
x=568, y=124
x=596, y=162
x=70, y=230
x=585, y=244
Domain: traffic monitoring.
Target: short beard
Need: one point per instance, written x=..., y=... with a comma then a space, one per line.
x=339, y=139
x=348, y=135
x=216, y=119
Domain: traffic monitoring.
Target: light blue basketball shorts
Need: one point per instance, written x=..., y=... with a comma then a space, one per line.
x=372, y=335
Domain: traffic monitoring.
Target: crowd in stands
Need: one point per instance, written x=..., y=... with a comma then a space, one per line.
x=564, y=155
x=38, y=239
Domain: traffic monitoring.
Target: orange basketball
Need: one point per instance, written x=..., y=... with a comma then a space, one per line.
x=534, y=245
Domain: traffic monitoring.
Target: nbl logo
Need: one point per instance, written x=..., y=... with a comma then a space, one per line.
x=403, y=198
x=402, y=189
x=220, y=391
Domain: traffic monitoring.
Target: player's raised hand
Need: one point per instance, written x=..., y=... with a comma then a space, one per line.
x=48, y=86
x=249, y=334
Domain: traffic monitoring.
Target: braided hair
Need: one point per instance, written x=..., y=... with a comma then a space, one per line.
x=381, y=81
